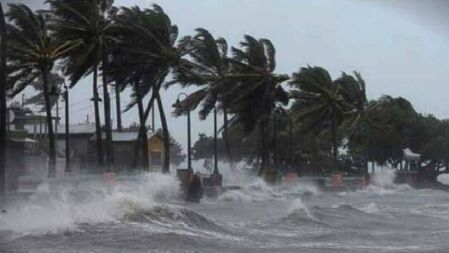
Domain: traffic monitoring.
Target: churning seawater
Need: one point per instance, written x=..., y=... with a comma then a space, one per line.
x=144, y=214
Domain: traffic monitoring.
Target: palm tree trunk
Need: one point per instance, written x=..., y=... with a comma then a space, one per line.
x=107, y=115
x=51, y=136
x=156, y=87
x=226, y=139
x=263, y=147
x=166, y=164
x=3, y=111
x=99, y=141
x=118, y=107
x=143, y=137
x=275, y=136
x=334, y=143
x=366, y=158
x=143, y=116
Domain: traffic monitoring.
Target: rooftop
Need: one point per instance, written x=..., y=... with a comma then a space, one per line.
x=127, y=136
x=73, y=129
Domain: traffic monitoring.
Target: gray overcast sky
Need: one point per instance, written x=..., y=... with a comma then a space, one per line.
x=400, y=47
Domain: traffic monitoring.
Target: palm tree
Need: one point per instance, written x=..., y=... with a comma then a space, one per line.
x=91, y=22
x=148, y=38
x=257, y=90
x=125, y=73
x=32, y=54
x=208, y=68
x=3, y=87
x=324, y=103
x=356, y=123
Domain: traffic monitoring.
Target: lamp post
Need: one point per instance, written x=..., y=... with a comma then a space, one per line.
x=67, y=144
x=189, y=153
x=215, y=143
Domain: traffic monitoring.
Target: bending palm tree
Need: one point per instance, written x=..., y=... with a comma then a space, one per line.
x=148, y=37
x=322, y=102
x=257, y=89
x=356, y=123
x=90, y=22
x=32, y=54
x=207, y=69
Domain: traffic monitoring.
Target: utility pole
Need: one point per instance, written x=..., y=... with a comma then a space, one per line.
x=67, y=133
x=3, y=111
x=215, y=143
x=189, y=145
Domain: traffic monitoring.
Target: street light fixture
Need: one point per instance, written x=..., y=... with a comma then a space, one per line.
x=178, y=106
x=67, y=143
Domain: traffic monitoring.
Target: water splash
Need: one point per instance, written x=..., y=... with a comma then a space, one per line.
x=382, y=182
x=370, y=208
x=298, y=206
x=87, y=202
x=443, y=178
x=253, y=191
x=384, y=177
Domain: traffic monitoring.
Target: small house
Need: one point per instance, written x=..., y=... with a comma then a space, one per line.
x=127, y=150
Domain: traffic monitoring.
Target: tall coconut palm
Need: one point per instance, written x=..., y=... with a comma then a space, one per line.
x=207, y=69
x=3, y=88
x=91, y=22
x=257, y=89
x=32, y=54
x=149, y=38
x=320, y=101
x=356, y=124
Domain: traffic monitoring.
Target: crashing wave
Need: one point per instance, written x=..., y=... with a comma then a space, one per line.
x=87, y=202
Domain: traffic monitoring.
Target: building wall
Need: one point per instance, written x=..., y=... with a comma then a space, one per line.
x=125, y=156
x=156, y=153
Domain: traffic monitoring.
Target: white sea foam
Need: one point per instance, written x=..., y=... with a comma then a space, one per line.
x=63, y=209
x=256, y=190
x=443, y=178
x=370, y=208
x=297, y=206
x=382, y=183
x=384, y=177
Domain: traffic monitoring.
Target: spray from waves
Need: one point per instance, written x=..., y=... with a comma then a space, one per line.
x=297, y=206
x=443, y=178
x=87, y=202
x=370, y=208
x=384, y=177
x=255, y=189
x=382, y=182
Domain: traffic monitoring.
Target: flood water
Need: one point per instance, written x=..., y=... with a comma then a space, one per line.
x=144, y=214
